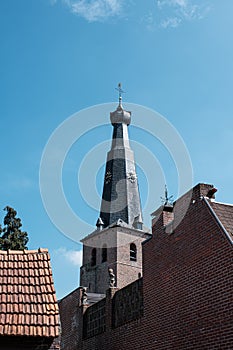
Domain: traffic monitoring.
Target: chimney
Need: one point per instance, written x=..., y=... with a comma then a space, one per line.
x=204, y=190
x=167, y=214
x=163, y=216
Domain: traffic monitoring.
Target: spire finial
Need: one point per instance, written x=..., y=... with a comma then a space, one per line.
x=119, y=89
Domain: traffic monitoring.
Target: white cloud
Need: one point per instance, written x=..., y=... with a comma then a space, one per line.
x=173, y=3
x=149, y=21
x=174, y=12
x=72, y=256
x=169, y=13
x=95, y=10
x=170, y=22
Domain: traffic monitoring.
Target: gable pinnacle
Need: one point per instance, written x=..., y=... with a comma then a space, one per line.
x=167, y=200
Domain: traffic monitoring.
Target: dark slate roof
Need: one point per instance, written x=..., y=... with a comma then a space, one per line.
x=224, y=213
x=120, y=198
x=28, y=305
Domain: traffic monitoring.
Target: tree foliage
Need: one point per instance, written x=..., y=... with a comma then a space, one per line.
x=11, y=236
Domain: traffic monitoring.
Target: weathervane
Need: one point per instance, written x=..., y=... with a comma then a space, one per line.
x=167, y=199
x=119, y=89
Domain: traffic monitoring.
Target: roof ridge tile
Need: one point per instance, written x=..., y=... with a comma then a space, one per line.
x=24, y=251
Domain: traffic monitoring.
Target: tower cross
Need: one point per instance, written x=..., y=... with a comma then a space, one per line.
x=119, y=89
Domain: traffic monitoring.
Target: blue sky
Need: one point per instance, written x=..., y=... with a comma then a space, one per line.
x=59, y=57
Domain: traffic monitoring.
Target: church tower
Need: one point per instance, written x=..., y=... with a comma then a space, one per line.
x=116, y=242
x=120, y=198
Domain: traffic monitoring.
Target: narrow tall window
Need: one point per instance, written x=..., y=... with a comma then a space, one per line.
x=133, y=252
x=104, y=253
x=93, y=257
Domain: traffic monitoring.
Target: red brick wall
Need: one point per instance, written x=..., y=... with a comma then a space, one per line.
x=71, y=320
x=188, y=279
x=94, y=319
x=187, y=287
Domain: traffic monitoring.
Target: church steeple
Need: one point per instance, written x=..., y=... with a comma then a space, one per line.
x=120, y=199
x=116, y=243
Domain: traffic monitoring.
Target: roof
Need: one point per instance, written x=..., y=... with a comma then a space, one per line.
x=224, y=213
x=93, y=298
x=28, y=305
x=120, y=197
x=118, y=224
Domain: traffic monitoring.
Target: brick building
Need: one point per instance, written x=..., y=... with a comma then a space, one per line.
x=173, y=288
x=29, y=315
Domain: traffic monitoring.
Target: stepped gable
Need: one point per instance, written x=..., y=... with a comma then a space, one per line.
x=28, y=305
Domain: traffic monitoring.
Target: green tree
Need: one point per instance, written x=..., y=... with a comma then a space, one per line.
x=11, y=236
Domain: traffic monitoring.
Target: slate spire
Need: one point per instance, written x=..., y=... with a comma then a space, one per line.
x=120, y=199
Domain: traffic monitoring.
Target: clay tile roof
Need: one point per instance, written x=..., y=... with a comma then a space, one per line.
x=224, y=213
x=28, y=305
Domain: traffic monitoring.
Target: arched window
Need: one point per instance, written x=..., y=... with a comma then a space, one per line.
x=93, y=257
x=104, y=253
x=133, y=252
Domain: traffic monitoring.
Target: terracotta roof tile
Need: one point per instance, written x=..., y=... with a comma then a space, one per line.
x=224, y=213
x=28, y=304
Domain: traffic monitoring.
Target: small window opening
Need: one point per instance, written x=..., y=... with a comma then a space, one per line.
x=93, y=257
x=133, y=252
x=104, y=253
